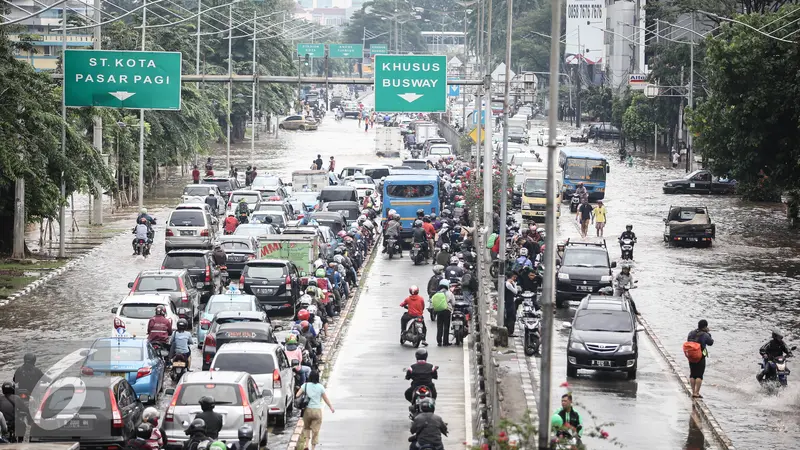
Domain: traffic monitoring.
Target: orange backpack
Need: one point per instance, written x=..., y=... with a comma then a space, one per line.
x=693, y=351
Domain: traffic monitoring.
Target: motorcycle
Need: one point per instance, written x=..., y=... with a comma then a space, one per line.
x=420, y=393
x=142, y=247
x=162, y=350
x=531, y=320
x=177, y=368
x=778, y=375
x=626, y=246
x=393, y=246
x=413, y=332
x=459, y=321
x=415, y=152
x=417, y=253
x=223, y=273
x=574, y=202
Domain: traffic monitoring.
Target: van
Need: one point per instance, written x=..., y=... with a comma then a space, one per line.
x=189, y=228
x=338, y=194
x=376, y=172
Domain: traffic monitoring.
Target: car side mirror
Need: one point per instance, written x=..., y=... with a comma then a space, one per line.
x=199, y=285
x=130, y=285
x=267, y=395
x=639, y=328
x=83, y=352
x=170, y=391
x=613, y=264
x=566, y=324
x=114, y=310
x=608, y=169
x=144, y=398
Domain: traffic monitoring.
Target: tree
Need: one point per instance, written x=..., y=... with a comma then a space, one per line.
x=377, y=17
x=748, y=125
x=638, y=120
x=597, y=102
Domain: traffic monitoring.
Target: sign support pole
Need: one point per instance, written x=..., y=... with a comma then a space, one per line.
x=253, y=100
x=97, y=206
x=487, y=148
x=230, y=85
x=62, y=211
x=501, y=257
x=141, y=119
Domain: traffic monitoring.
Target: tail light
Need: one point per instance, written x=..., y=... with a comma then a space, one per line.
x=87, y=371
x=184, y=294
x=116, y=417
x=204, y=232
x=38, y=417
x=210, y=341
x=276, y=379
x=249, y=257
x=288, y=280
x=169, y=232
x=143, y=372
x=208, y=274
x=205, y=323
x=241, y=280
x=300, y=216
x=248, y=412
x=170, y=414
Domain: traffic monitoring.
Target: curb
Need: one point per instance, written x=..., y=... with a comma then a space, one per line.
x=528, y=365
x=47, y=277
x=333, y=342
x=699, y=404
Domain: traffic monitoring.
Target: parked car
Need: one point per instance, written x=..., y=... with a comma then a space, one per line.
x=135, y=311
x=255, y=230
x=603, y=336
x=224, y=334
x=700, y=182
x=107, y=417
x=297, y=123
x=689, y=225
x=275, y=282
x=585, y=269
x=238, y=399
x=251, y=196
x=189, y=228
x=177, y=283
x=201, y=267
x=224, y=302
x=133, y=359
x=603, y=130
x=269, y=366
x=239, y=250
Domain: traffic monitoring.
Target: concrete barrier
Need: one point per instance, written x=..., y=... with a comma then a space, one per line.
x=450, y=134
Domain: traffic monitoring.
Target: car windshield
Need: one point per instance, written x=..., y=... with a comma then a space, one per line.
x=223, y=185
x=226, y=305
x=252, y=363
x=155, y=284
x=440, y=150
x=200, y=191
x=115, y=353
x=59, y=399
x=232, y=245
x=187, y=218
x=585, y=169
x=266, y=182
x=535, y=187
x=594, y=320
x=515, y=130
x=306, y=197
x=224, y=394
x=276, y=219
x=253, y=230
x=267, y=272
x=410, y=190
x=249, y=198
x=337, y=195
x=138, y=310
x=184, y=262
x=585, y=258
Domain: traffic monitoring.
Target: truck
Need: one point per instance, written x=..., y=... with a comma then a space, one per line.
x=425, y=131
x=689, y=225
x=534, y=199
x=301, y=249
x=309, y=180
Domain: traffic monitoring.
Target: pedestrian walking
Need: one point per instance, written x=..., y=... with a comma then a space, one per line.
x=366, y=124
x=196, y=175
x=315, y=394
x=318, y=162
x=675, y=160
x=599, y=212
x=332, y=165
x=583, y=216
x=682, y=153
x=510, y=319
x=695, y=349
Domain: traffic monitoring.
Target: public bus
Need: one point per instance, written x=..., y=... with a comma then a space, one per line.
x=408, y=191
x=580, y=165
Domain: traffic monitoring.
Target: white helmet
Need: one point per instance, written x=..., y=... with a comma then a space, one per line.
x=211, y=192
x=523, y=251
x=391, y=213
x=143, y=210
x=369, y=225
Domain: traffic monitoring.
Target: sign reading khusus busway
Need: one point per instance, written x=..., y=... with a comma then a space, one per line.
x=410, y=83
x=122, y=79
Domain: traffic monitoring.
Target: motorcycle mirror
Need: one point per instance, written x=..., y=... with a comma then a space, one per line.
x=170, y=391
x=793, y=348
x=130, y=284
x=635, y=281
x=613, y=264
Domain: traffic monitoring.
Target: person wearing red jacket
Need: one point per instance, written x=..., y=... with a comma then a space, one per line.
x=416, y=308
x=230, y=224
x=159, y=328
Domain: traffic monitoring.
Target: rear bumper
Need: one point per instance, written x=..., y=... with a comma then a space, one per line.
x=192, y=242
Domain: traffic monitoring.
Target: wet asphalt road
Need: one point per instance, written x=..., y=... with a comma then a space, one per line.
x=367, y=384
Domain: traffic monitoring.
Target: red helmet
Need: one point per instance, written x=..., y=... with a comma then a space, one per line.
x=413, y=290
x=303, y=315
x=304, y=325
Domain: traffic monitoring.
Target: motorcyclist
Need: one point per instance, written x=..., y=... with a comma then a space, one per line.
x=393, y=228
x=582, y=193
x=443, y=258
x=182, y=342
x=159, y=328
x=294, y=352
x=211, y=201
x=28, y=376
x=453, y=271
x=156, y=439
x=196, y=433
x=242, y=211
x=622, y=280
x=420, y=214
x=213, y=420
x=628, y=234
x=416, y=308
x=143, y=214
x=772, y=349
x=437, y=224
x=139, y=442
x=245, y=439
x=421, y=373
x=427, y=427
x=522, y=261
x=419, y=236
x=11, y=408
x=230, y=224
x=430, y=232
x=220, y=258
x=142, y=232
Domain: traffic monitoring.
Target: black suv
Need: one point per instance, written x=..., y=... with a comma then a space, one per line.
x=603, y=336
x=275, y=282
x=201, y=267
x=105, y=419
x=585, y=269
x=177, y=283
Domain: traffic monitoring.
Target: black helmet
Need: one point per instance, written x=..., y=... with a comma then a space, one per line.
x=420, y=212
x=421, y=354
x=144, y=431
x=183, y=325
x=206, y=403
x=426, y=219
x=417, y=223
x=245, y=433
x=427, y=405
x=29, y=358
x=8, y=388
x=777, y=335
x=198, y=425
x=629, y=227
x=446, y=213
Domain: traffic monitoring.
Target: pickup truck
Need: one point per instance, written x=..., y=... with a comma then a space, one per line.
x=689, y=225
x=700, y=182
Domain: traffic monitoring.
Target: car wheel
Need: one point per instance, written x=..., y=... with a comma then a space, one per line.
x=263, y=441
x=572, y=372
x=281, y=420
x=632, y=374
x=302, y=128
x=281, y=127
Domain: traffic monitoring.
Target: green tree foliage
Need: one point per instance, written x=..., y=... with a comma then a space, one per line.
x=597, y=102
x=638, y=120
x=749, y=126
x=377, y=17
x=532, y=50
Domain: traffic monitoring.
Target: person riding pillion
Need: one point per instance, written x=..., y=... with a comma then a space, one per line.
x=428, y=427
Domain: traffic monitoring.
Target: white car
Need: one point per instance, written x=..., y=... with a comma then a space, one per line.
x=439, y=151
x=542, y=137
x=251, y=197
x=135, y=311
x=197, y=193
x=362, y=183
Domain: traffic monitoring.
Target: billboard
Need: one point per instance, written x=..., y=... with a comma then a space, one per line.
x=585, y=38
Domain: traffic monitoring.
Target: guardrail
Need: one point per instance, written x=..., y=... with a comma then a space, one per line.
x=450, y=134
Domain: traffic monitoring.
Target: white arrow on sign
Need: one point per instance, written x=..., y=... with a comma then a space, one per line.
x=410, y=97
x=122, y=95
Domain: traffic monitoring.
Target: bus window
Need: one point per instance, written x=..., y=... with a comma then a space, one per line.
x=597, y=170
x=575, y=169
x=409, y=190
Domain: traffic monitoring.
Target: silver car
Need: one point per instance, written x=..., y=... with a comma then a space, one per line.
x=268, y=364
x=189, y=228
x=238, y=399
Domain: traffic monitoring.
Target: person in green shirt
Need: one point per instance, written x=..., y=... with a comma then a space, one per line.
x=570, y=417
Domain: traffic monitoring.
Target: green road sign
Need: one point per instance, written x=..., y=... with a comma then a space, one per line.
x=312, y=50
x=409, y=83
x=122, y=79
x=378, y=49
x=345, y=50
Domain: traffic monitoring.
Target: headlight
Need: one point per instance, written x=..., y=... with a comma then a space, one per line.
x=626, y=348
x=576, y=345
x=526, y=206
x=563, y=276
x=606, y=279
x=709, y=230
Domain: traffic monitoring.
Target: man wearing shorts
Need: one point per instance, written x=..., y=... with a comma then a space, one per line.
x=599, y=213
x=584, y=216
x=696, y=370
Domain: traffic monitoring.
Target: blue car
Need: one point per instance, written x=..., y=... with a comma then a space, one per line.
x=223, y=302
x=133, y=359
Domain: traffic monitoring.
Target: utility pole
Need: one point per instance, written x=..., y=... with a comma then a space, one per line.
x=548, y=286
x=62, y=211
x=479, y=112
x=197, y=50
x=479, y=38
x=501, y=257
x=97, y=134
x=680, y=118
x=141, y=119
x=689, y=146
x=253, y=100
x=230, y=85
x=487, y=150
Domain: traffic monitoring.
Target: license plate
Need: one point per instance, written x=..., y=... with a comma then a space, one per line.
x=179, y=364
x=691, y=239
x=265, y=291
x=584, y=288
x=77, y=424
x=187, y=233
x=118, y=374
x=602, y=363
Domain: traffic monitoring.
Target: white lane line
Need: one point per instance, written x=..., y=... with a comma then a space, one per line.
x=467, y=392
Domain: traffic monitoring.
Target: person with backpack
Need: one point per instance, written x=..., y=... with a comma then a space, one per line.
x=523, y=261
x=442, y=303
x=695, y=350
